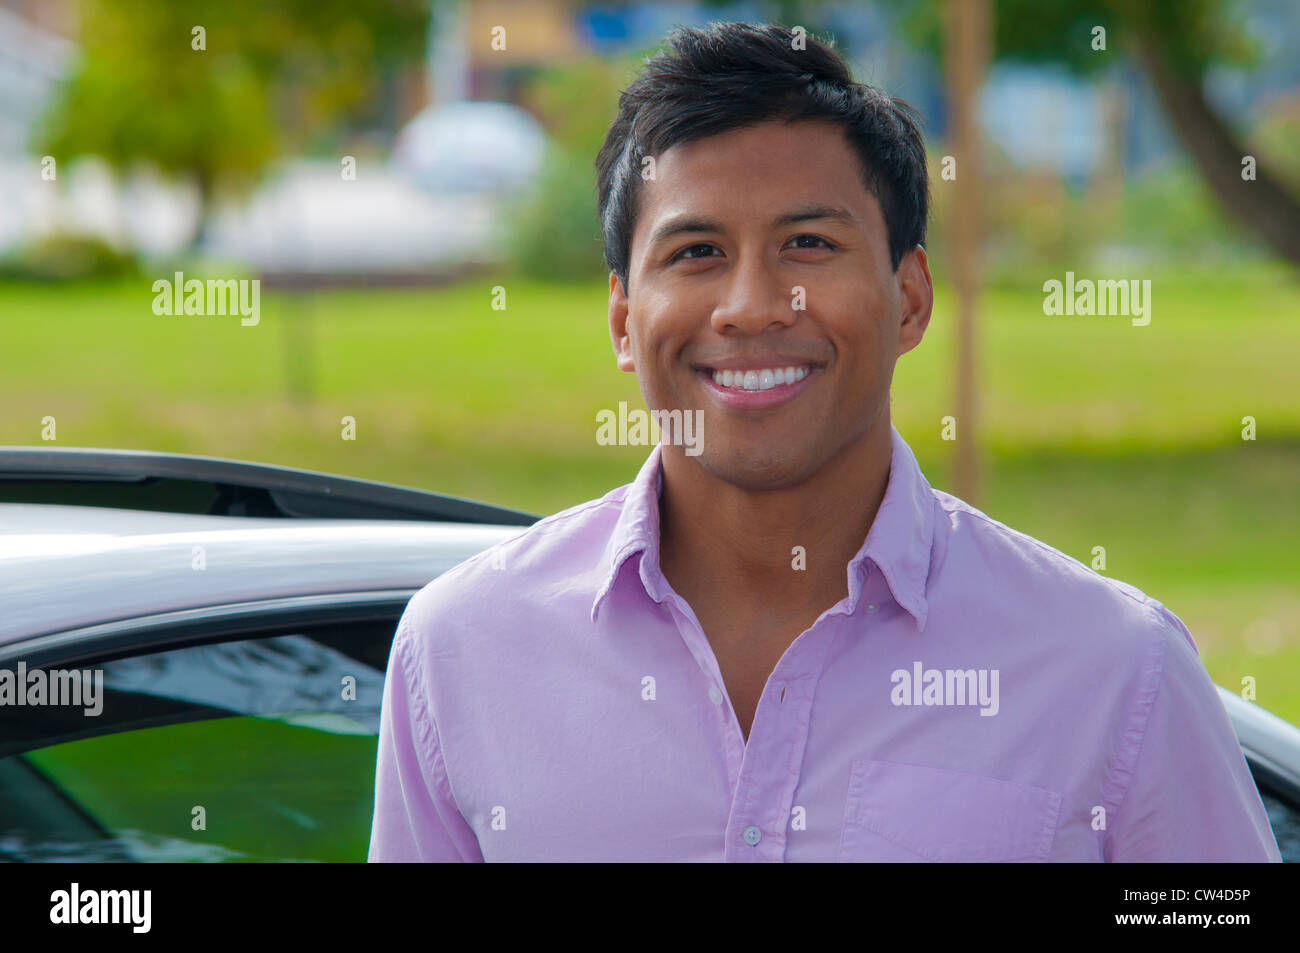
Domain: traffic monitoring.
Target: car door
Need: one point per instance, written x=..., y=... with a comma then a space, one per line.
x=237, y=733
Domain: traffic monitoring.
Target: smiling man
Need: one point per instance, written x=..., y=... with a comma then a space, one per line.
x=788, y=646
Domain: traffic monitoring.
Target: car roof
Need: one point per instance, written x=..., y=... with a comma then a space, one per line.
x=67, y=566
x=186, y=483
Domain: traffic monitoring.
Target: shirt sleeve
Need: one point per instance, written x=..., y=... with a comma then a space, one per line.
x=1190, y=795
x=416, y=818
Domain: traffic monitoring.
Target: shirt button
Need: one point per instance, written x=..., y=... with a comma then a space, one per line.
x=872, y=607
x=715, y=696
x=752, y=835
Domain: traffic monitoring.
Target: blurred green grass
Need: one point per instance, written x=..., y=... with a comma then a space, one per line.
x=1098, y=433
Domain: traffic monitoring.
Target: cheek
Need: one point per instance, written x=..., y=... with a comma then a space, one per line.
x=654, y=345
x=866, y=358
x=663, y=332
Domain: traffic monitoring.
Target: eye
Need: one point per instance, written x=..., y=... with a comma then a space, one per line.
x=815, y=238
x=695, y=247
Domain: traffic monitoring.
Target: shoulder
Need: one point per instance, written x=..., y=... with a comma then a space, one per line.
x=985, y=559
x=562, y=552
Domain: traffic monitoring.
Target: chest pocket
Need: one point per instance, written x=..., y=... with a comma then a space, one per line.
x=910, y=812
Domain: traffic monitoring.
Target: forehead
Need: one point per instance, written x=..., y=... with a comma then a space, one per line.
x=756, y=172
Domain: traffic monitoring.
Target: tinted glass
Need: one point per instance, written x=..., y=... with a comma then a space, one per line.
x=260, y=749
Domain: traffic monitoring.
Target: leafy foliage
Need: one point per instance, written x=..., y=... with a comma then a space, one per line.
x=1195, y=33
x=556, y=232
x=268, y=76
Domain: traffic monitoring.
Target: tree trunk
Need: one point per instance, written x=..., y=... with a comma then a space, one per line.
x=968, y=38
x=1264, y=205
x=204, y=182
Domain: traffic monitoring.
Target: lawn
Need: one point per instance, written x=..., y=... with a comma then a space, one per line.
x=1098, y=433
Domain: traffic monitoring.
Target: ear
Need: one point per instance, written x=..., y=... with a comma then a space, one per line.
x=618, y=332
x=916, y=298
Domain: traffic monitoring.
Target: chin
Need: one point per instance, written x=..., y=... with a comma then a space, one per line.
x=758, y=468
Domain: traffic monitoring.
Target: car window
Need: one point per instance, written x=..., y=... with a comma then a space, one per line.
x=1284, y=818
x=256, y=749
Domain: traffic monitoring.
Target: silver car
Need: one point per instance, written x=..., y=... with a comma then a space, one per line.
x=195, y=649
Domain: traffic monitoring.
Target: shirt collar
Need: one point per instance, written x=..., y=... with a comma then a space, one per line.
x=898, y=543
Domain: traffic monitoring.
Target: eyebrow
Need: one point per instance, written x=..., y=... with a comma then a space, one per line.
x=806, y=213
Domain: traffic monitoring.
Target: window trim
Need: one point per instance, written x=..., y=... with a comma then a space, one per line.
x=122, y=638
x=1271, y=778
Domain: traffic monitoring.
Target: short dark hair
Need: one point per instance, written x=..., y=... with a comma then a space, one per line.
x=728, y=75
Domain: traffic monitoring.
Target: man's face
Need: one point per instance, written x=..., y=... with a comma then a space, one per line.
x=767, y=210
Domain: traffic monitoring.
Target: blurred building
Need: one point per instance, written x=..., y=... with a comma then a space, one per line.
x=537, y=33
x=33, y=58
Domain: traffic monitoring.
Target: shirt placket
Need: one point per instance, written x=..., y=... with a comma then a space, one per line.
x=764, y=773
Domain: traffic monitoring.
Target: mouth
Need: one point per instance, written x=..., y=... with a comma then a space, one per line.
x=757, y=388
x=759, y=378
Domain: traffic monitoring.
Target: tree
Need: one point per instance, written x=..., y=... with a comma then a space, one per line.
x=1175, y=42
x=217, y=89
x=555, y=231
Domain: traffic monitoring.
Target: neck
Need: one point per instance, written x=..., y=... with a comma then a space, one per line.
x=726, y=545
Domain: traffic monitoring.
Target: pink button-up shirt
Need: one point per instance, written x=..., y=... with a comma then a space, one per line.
x=978, y=696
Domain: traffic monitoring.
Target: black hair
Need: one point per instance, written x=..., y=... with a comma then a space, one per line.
x=727, y=75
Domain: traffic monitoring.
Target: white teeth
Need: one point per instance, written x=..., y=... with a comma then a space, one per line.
x=760, y=379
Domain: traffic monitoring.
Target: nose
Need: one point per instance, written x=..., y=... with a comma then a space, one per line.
x=754, y=299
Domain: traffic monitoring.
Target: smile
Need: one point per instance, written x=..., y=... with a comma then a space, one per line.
x=745, y=389
x=760, y=379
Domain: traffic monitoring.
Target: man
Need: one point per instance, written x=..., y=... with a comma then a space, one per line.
x=788, y=646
